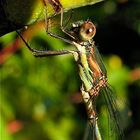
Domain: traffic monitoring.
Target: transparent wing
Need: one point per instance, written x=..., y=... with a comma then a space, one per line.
x=89, y=132
x=92, y=132
x=114, y=123
x=99, y=60
x=113, y=120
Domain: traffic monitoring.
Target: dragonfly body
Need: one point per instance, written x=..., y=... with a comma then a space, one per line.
x=92, y=76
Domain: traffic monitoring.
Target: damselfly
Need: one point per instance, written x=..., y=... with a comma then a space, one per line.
x=91, y=70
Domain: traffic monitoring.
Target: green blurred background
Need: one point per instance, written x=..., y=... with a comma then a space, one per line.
x=40, y=97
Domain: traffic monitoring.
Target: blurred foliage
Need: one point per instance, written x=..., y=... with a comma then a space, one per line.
x=40, y=97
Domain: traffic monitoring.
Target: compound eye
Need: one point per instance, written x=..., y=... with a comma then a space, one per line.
x=87, y=31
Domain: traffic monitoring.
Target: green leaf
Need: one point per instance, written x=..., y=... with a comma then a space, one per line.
x=26, y=12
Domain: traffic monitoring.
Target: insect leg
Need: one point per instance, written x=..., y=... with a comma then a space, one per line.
x=43, y=53
x=47, y=20
x=62, y=26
